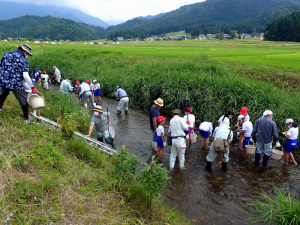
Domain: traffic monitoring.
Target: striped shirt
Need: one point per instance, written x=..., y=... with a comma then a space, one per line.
x=265, y=128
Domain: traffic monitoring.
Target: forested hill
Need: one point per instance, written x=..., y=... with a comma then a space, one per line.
x=286, y=28
x=49, y=27
x=210, y=16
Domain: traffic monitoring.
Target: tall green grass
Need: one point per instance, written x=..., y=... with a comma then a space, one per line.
x=280, y=208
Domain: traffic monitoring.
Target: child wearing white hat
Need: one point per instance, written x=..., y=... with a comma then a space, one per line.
x=292, y=141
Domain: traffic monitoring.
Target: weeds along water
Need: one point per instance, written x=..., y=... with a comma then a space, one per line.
x=213, y=89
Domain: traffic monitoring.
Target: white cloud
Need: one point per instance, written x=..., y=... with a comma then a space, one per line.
x=116, y=10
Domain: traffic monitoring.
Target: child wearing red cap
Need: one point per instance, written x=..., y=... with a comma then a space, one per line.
x=161, y=142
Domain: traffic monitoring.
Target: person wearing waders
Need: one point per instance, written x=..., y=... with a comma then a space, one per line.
x=57, y=74
x=14, y=69
x=124, y=100
x=246, y=130
x=178, y=126
x=86, y=93
x=221, y=132
x=264, y=130
x=45, y=80
x=153, y=115
x=292, y=141
x=100, y=120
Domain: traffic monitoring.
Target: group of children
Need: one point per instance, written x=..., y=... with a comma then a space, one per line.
x=244, y=128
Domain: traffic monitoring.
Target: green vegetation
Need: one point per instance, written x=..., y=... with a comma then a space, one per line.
x=278, y=208
x=46, y=178
x=49, y=27
x=212, y=16
x=286, y=28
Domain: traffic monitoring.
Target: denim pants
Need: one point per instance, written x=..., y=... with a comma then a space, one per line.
x=154, y=136
x=263, y=148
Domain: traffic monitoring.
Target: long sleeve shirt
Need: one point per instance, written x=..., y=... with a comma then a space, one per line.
x=265, y=128
x=121, y=93
x=178, y=126
x=84, y=88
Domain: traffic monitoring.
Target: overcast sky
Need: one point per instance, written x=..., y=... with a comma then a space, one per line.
x=116, y=10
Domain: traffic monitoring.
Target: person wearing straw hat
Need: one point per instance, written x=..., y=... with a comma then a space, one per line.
x=264, y=130
x=100, y=120
x=124, y=100
x=153, y=115
x=178, y=126
x=14, y=68
x=221, y=132
x=292, y=141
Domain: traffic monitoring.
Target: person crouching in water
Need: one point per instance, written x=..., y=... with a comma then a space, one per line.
x=205, y=129
x=221, y=132
x=100, y=120
x=124, y=100
x=161, y=142
x=178, y=126
x=291, y=143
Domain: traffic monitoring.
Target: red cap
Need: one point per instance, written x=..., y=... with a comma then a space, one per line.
x=187, y=109
x=160, y=118
x=44, y=71
x=87, y=82
x=243, y=111
x=77, y=82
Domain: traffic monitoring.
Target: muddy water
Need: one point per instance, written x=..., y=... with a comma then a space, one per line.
x=206, y=198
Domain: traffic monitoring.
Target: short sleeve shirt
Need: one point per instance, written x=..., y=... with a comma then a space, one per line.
x=100, y=123
x=160, y=130
x=248, y=127
x=191, y=119
x=12, y=66
x=206, y=126
x=154, y=113
x=97, y=86
x=293, y=133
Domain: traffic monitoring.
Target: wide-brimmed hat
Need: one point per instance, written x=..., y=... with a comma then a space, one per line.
x=26, y=48
x=176, y=111
x=159, y=102
x=98, y=108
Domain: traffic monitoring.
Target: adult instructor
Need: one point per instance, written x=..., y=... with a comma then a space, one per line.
x=14, y=68
x=153, y=114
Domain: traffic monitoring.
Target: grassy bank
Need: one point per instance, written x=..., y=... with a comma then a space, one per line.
x=45, y=178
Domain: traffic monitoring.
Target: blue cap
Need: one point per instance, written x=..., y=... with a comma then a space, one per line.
x=117, y=87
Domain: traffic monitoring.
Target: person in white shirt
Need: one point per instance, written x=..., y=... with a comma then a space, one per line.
x=97, y=92
x=221, y=132
x=63, y=83
x=292, y=141
x=246, y=131
x=178, y=126
x=57, y=74
x=205, y=129
x=45, y=80
x=190, y=120
x=161, y=142
x=86, y=93
x=228, y=116
x=244, y=112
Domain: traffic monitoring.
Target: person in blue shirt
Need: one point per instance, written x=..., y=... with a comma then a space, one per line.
x=153, y=114
x=14, y=69
x=123, y=100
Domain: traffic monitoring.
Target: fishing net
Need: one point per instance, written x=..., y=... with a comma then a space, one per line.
x=155, y=91
x=185, y=103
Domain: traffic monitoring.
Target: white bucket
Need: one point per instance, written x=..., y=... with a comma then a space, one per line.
x=36, y=101
x=250, y=149
x=193, y=138
x=276, y=154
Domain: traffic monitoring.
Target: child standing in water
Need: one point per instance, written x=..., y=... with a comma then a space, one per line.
x=161, y=142
x=291, y=143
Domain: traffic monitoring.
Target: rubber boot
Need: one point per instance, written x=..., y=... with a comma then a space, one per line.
x=224, y=166
x=126, y=111
x=119, y=112
x=181, y=165
x=94, y=104
x=85, y=105
x=25, y=112
x=208, y=166
x=265, y=162
x=172, y=163
x=257, y=158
